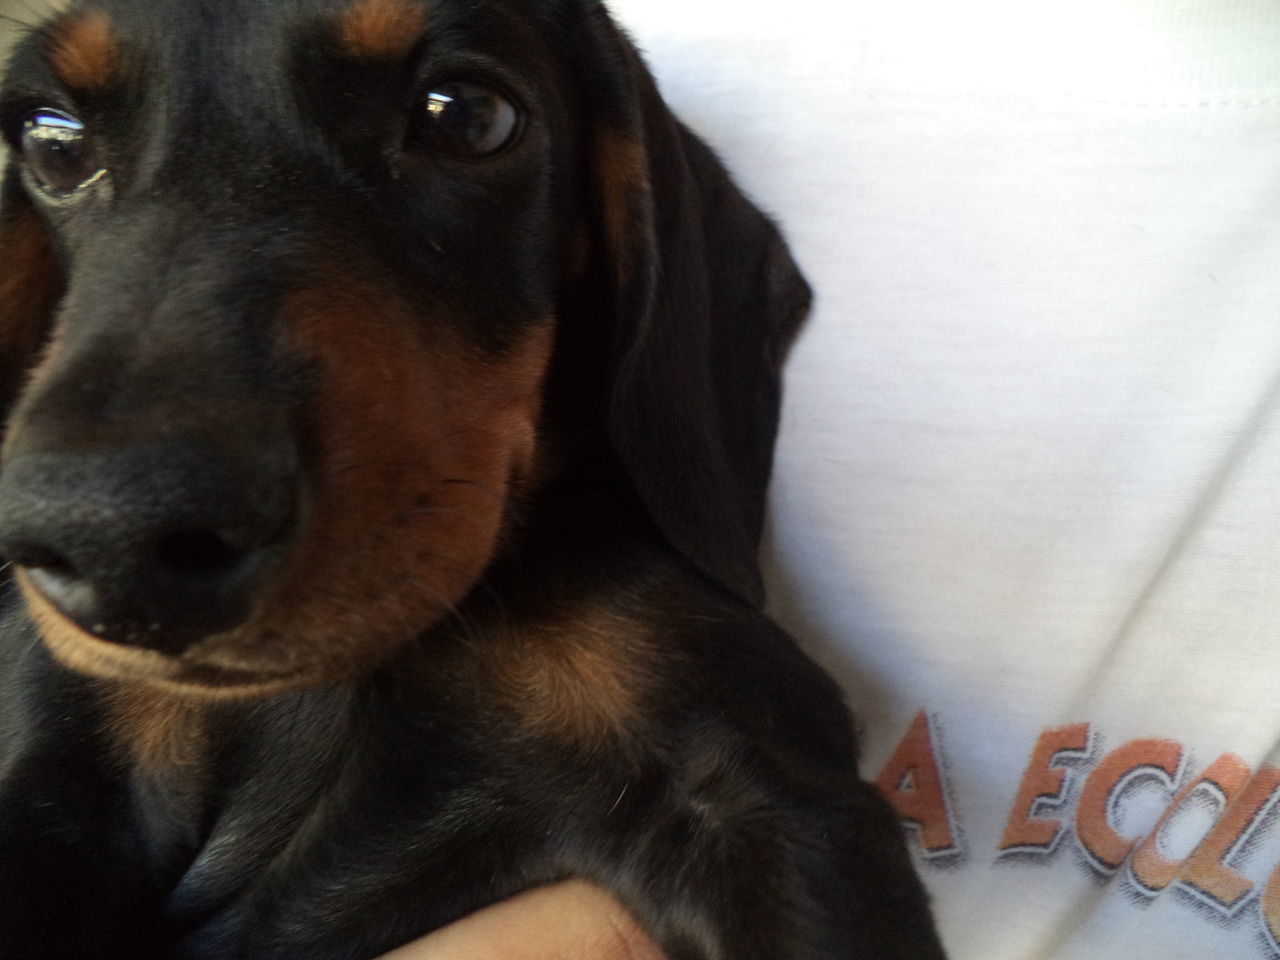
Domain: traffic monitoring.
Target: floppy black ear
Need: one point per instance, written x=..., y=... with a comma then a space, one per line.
x=707, y=301
x=31, y=285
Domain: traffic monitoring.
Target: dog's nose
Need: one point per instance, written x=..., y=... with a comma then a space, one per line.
x=153, y=547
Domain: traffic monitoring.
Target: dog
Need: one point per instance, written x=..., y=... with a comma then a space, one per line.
x=389, y=393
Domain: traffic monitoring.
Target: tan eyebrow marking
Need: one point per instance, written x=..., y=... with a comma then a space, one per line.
x=622, y=171
x=382, y=29
x=83, y=50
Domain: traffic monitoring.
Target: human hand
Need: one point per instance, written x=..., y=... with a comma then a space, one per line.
x=568, y=921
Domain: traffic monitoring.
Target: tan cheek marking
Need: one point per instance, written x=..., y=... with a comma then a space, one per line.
x=622, y=171
x=414, y=452
x=84, y=50
x=382, y=29
x=581, y=679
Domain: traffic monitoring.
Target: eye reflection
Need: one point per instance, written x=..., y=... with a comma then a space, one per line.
x=55, y=125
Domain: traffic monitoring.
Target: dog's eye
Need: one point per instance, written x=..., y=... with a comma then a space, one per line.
x=465, y=119
x=58, y=152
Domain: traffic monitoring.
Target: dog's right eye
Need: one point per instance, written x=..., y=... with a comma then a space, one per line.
x=59, y=152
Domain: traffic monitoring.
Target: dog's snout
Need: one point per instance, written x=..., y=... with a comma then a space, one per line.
x=152, y=546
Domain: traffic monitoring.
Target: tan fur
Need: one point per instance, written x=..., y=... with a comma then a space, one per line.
x=416, y=449
x=155, y=729
x=382, y=29
x=30, y=285
x=84, y=53
x=581, y=678
x=622, y=175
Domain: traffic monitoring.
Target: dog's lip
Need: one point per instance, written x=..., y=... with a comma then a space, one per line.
x=130, y=663
x=86, y=653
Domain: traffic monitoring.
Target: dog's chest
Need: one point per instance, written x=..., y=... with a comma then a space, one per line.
x=329, y=827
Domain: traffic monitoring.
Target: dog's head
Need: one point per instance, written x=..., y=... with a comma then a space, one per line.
x=281, y=288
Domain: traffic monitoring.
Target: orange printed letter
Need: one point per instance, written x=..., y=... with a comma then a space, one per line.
x=912, y=782
x=1098, y=837
x=1042, y=783
x=1270, y=906
x=1153, y=871
x=1207, y=871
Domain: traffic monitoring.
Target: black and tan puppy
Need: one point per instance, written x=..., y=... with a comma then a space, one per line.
x=390, y=389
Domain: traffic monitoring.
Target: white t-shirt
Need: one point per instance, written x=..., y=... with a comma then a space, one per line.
x=1027, y=498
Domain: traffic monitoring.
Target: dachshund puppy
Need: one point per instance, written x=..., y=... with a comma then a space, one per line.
x=390, y=389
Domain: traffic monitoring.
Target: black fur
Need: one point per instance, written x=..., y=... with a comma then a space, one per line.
x=345, y=817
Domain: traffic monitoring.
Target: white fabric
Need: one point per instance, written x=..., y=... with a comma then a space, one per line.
x=1030, y=464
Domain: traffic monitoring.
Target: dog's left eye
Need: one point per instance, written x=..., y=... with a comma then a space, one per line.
x=59, y=152
x=465, y=119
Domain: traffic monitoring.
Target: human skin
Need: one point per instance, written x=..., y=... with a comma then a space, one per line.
x=568, y=921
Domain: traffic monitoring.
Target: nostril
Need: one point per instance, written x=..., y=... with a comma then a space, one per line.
x=197, y=554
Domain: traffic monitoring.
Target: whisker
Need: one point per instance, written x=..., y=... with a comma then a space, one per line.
x=619, y=800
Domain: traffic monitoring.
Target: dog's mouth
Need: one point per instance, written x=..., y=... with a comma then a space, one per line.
x=156, y=652
x=189, y=672
x=199, y=585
